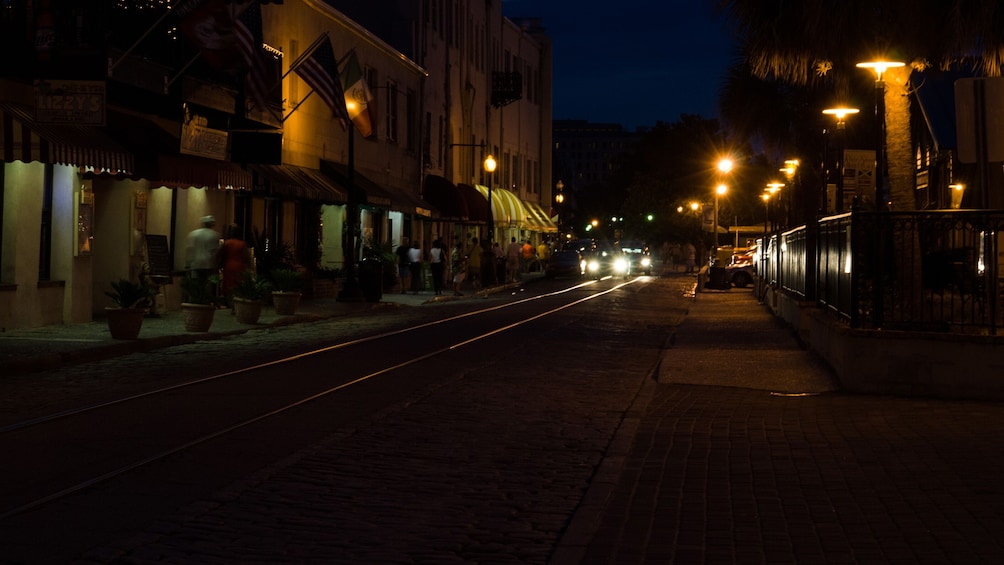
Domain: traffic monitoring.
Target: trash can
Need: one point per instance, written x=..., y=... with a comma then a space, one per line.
x=371, y=279
x=716, y=279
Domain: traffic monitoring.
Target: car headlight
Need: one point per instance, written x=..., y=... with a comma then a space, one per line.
x=621, y=265
x=593, y=266
x=646, y=261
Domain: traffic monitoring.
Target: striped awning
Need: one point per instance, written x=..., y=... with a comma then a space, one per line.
x=507, y=208
x=23, y=139
x=538, y=219
x=299, y=182
x=190, y=171
x=374, y=194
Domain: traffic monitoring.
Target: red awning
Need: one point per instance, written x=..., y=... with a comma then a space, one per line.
x=23, y=139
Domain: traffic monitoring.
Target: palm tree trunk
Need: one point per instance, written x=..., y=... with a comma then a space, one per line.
x=898, y=142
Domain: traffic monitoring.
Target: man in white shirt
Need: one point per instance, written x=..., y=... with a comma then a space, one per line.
x=415, y=264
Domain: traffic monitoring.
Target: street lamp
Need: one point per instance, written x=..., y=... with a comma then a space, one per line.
x=490, y=165
x=840, y=113
x=725, y=165
x=559, y=199
x=766, y=203
x=882, y=192
x=720, y=190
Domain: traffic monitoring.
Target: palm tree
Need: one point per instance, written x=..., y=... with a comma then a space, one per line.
x=817, y=42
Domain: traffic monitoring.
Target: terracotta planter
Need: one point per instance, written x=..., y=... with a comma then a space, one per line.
x=125, y=323
x=285, y=302
x=197, y=317
x=247, y=311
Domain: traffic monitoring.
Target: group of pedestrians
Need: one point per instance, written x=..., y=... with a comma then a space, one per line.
x=475, y=263
x=207, y=254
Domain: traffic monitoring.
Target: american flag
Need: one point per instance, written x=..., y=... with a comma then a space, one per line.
x=258, y=80
x=320, y=71
x=228, y=34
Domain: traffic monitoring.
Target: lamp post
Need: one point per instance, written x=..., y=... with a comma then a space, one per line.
x=790, y=169
x=840, y=113
x=720, y=190
x=490, y=165
x=882, y=192
x=766, y=205
x=559, y=200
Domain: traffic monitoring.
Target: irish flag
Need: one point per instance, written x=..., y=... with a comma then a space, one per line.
x=358, y=99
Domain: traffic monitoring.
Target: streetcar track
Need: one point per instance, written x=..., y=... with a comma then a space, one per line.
x=83, y=409
x=234, y=427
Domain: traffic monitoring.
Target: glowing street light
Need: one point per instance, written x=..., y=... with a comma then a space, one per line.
x=881, y=162
x=490, y=165
x=840, y=113
x=720, y=190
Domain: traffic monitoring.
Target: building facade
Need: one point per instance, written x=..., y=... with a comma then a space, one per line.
x=126, y=123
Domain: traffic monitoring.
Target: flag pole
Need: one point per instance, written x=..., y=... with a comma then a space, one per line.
x=303, y=56
x=297, y=107
x=111, y=67
x=351, y=291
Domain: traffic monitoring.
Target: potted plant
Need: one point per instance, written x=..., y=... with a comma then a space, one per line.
x=249, y=296
x=287, y=285
x=132, y=301
x=199, y=300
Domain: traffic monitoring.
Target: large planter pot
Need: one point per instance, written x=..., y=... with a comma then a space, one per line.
x=285, y=302
x=125, y=323
x=247, y=311
x=197, y=317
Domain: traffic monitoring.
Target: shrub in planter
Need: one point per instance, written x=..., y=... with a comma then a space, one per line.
x=286, y=290
x=199, y=301
x=132, y=301
x=249, y=296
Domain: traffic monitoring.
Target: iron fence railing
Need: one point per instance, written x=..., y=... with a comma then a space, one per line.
x=927, y=271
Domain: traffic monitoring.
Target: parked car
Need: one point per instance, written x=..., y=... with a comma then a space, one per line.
x=606, y=260
x=565, y=263
x=639, y=257
x=741, y=270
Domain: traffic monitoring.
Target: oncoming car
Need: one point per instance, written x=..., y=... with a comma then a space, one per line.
x=607, y=260
x=638, y=256
x=565, y=263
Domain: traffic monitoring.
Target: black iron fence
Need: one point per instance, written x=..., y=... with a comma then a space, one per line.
x=922, y=271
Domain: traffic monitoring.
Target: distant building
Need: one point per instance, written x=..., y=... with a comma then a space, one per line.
x=585, y=152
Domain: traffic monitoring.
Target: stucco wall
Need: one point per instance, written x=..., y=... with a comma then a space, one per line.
x=902, y=363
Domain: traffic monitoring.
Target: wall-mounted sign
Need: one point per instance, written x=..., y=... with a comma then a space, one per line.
x=197, y=138
x=78, y=102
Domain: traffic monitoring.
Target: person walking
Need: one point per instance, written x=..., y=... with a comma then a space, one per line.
x=403, y=264
x=474, y=263
x=437, y=264
x=415, y=266
x=235, y=259
x=499, y=258
x=512, y=255
x=528, y=252
x=691, y=256
x=202, y=250
x=458, y=266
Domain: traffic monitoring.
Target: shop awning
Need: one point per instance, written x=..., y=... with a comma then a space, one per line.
x=190, y=171
x=446, y=197
x=158, y=159
x=507, y=209
x=477, y=204
x=538, y=218
x=299, y=182
x=23, y=139
x=375, y=194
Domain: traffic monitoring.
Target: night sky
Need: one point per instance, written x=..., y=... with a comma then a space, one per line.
x=632, y=62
